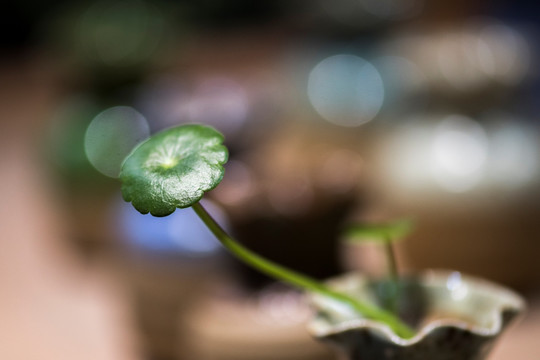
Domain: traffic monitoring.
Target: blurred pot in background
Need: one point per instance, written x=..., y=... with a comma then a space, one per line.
x=289, y=197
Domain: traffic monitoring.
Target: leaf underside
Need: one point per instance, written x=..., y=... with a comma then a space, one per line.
x=173, y=169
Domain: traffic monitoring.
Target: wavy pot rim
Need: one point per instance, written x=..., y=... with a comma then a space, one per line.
x=513, y=303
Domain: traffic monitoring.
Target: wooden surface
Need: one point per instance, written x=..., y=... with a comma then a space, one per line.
x=522, y=341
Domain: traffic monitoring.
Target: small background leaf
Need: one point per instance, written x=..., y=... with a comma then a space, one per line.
x=379, y=232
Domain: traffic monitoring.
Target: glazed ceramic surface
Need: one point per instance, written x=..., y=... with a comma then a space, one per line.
x=457, y=317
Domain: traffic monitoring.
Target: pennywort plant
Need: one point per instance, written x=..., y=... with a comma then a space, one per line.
x=176, y=167
x=386, y=234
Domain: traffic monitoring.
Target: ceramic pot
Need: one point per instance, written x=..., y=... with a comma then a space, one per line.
x=456, y=317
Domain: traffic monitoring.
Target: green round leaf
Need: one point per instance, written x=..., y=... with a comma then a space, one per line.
x=173, y=169
x=379, y=232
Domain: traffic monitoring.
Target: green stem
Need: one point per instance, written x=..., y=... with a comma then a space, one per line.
x=391, y=258
x=392, y=273
x=296, y=279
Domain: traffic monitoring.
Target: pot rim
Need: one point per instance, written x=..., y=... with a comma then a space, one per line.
x=512, y=303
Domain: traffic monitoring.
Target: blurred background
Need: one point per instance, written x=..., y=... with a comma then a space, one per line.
x=333, y=111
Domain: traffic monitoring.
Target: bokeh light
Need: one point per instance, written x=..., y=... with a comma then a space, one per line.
x=459, y=151
x=281, y=306
x=112, y=135
x=449, y=153
x=457, y=287
x=484, y=51
x=405, y=155
x=456, y=154
x=456, y=56
x=239, y=184
x=161, y=100
x=346, y=90
x=515, y=153
x=502, y=53
x=218, y=101
x=181, y=233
